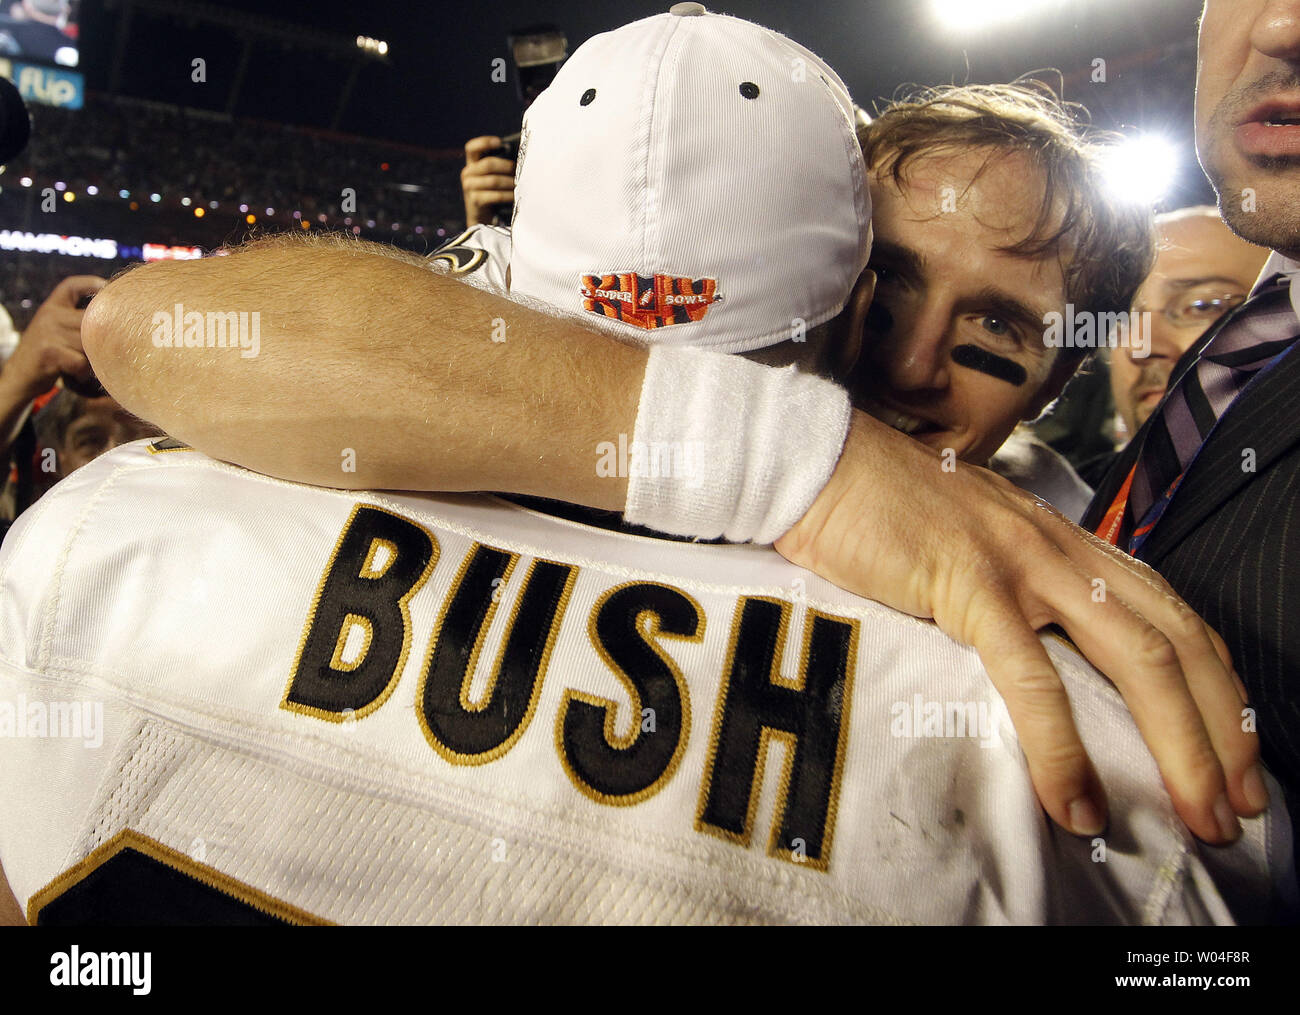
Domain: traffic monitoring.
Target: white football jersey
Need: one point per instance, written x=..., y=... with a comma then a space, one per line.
x=227, y=698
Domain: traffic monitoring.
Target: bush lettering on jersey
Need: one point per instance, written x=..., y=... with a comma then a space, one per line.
x=358, y=635
x=379, y=563
x=608, y=769
x=472, y=734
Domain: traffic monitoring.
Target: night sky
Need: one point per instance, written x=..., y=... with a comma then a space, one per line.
x=437, y=92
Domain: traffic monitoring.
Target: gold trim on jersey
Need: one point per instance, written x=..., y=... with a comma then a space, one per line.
x=455, y=757
x=481, y=638
x=165, y=444
x=368, y=569
x=345, y=629
x=766, y=734
x=403, y=604
x=649, y=634
x=130, y=839
x=454, y=267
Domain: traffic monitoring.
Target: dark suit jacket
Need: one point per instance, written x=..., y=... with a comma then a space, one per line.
x=1229, y=544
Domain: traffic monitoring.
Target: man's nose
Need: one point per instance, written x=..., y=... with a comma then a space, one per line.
x=1276, y=31
x=918, y=355
x=1165, y=340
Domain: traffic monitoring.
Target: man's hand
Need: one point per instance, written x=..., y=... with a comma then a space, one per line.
x=486, y=180
x=992, y=565
x=51, y=344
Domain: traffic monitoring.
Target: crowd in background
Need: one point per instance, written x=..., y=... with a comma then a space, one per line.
x=193, y=160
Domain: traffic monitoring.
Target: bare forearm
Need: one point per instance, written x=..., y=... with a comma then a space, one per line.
x=370, y=364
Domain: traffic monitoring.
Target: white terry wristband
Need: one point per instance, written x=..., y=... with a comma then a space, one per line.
x=726, y=447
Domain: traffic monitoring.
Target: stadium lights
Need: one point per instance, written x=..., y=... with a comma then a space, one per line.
x=1141, y=169
x=26, y=181
x=372, y=45
x=92, y=190
x=185, y=202
x=964, y=15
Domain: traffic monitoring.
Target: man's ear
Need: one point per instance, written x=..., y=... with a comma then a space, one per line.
x=1062, y=370
x=846, y=340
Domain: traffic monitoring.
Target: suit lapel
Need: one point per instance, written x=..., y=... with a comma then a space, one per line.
x=1254, y=432
x=1110, y=485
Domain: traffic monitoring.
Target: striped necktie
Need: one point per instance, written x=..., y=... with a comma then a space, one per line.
x=1260, y=331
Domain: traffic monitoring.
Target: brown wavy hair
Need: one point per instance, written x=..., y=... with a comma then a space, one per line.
x=1106, y=246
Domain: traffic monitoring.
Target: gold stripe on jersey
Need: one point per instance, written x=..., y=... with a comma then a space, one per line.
x=648, y=627
x=203, y=873
x=403, y=604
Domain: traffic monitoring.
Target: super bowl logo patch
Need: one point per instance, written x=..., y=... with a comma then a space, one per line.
x=658, y=301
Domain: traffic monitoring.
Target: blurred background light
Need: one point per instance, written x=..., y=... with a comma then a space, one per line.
x=1142, y=169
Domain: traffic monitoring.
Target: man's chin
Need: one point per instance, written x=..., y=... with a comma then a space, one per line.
x=1261, y=203
x=944, y=440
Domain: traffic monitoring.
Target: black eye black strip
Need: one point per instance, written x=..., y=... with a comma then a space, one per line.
x=974, y=358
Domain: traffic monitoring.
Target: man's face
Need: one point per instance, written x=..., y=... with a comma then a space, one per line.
x=953, y=352
x=1201, y=271
x=102, y=426
x=1248, y=116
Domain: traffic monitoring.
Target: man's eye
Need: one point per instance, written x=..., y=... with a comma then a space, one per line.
x=884, y=275
x=996, y=326
x=1206, y=308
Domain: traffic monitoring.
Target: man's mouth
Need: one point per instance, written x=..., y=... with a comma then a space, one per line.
x=1271, y=129
x=913, y=426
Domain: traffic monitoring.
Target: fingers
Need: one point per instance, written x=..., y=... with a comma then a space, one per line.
x=1021, y=670
x=72, y=288
x=62, y=360
x=489, y=181
x=494, y=164
x=476, y=148
x=1203, y=665
x=1146, y=667
x=481, y=198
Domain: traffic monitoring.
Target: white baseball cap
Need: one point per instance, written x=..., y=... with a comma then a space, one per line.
x=692, y=179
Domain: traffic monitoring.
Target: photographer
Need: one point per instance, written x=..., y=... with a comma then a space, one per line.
x=486, y=181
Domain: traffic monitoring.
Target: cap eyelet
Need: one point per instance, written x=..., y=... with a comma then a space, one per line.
x=749, y=90
x=588, y=97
